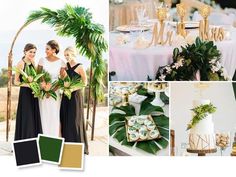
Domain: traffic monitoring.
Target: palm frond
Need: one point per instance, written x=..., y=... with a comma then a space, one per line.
x=77, y=22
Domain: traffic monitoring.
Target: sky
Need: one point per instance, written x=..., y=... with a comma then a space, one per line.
x=13, y=14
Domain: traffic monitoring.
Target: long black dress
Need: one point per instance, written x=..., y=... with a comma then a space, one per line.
x=72, y=114
x=28, y=121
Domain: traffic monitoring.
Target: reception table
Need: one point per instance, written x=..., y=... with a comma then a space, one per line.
x=131, y=64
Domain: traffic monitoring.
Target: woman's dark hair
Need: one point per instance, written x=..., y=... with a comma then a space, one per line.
x=28, y=47
x=54, y=45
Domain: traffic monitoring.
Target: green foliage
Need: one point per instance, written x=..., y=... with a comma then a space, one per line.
x=77, y=22
x=47, y=86
x=31, y=78
x=117, y=125
x=200, y=112
x=68, y=85
x=3, y=77
x=202, y=56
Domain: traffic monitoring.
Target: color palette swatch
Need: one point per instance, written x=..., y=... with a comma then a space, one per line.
x=26, y=152
x=49, y=149
x=72, y=157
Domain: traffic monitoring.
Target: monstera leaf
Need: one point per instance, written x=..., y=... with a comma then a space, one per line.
x=117, y=124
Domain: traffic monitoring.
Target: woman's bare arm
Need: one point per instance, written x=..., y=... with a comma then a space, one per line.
x=80, y=70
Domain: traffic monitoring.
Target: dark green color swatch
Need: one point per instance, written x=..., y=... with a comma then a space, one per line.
x=50, y=148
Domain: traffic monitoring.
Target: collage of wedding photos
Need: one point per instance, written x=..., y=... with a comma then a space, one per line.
x=148, y=78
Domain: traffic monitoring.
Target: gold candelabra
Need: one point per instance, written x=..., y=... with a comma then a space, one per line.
x=205, y=33
x=161, y=16
x=181, y=11
x=205, y=12
x=158, y=34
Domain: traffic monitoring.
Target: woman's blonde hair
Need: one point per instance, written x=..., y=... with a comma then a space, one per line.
x=72, y=51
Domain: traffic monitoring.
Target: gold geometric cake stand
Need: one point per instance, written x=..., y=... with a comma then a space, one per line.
x=202, y=152
x=233, y=154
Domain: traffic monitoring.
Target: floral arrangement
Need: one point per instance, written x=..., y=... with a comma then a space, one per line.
x=47, y=86
x=200, y=113
x=68, y=85
x=197, y=61
x=30, y=77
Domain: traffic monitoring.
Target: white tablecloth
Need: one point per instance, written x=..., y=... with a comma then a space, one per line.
x=132, y=64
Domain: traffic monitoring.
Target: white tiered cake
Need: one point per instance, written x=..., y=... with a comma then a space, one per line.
x=202, y=136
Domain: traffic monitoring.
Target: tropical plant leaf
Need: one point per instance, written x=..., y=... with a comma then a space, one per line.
x=126, y=143
x=128, y=110
x=38, y=77
x=147, y=108
x=118, y=131
x=164, y=98
x=148, y=146
x=114, y=127
x=162, y=142
x=161, y=120
x=164, y=132
x=114, y=117
x=120, y=135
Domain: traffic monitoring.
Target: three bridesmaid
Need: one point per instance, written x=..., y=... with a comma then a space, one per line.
x=61, y=117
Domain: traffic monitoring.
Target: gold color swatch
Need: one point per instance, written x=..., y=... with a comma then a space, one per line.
x=73, y=156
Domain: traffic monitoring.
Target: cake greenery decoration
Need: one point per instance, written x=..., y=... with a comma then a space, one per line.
x=201, y=112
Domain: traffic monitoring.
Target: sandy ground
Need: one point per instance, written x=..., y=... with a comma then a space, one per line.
x=97, y=147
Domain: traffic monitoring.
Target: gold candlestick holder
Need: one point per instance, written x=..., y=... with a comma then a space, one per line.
x=161, y=16
x=204, y=24
x=181, y=11
x=158, y=33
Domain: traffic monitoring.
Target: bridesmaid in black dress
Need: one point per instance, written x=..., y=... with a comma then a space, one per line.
x=72, y=111
x=28, y=122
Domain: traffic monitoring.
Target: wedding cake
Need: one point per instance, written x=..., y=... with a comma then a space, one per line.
x=201, y=135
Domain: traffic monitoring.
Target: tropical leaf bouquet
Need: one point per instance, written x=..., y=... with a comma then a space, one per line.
x=197, y=61
x=31, y=78
x=68, y=85
x=47, y=86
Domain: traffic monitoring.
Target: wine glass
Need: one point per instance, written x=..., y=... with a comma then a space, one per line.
x=141, y=15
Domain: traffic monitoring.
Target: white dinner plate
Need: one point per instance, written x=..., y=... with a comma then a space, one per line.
x=128, y=28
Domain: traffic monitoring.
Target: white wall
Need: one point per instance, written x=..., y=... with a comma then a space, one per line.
x=220, y=94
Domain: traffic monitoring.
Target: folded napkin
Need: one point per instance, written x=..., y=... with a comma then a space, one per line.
x=141, y=43
x=181, y=41
x=135, y=98
x=122, y=39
